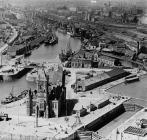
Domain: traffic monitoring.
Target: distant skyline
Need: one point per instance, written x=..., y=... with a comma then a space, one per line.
x=130, y=2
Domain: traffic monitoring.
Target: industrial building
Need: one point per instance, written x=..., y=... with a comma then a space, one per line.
x=101, y=79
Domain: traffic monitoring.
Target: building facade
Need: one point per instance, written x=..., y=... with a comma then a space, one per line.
x=48, y=99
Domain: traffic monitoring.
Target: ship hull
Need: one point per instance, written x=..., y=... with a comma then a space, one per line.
x=15, y=76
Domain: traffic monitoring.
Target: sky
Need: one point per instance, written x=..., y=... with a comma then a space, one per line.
x=24, y=2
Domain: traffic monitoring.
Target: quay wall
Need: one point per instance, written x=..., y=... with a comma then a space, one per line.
x=112, y=114
x=106, y=118
x=10, y=136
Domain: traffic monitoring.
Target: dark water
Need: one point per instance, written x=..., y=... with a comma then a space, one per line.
x=43, y=53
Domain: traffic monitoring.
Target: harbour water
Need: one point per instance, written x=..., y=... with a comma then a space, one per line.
x=45, y=53
x=136, y=89
x=41, y=54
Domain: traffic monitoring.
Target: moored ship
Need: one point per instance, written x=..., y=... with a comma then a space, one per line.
x=15, y=69
x=11, y=98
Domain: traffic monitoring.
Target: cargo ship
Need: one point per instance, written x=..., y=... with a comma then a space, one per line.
x=15, y=69
x=11, y=98
x=131, y=78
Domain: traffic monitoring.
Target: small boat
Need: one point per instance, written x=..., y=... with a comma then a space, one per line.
x=131, y=78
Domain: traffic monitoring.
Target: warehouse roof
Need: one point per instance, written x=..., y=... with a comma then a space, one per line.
x=116, y=72
x=96, y=79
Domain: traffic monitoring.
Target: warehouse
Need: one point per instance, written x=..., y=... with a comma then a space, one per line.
x=101, y=79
